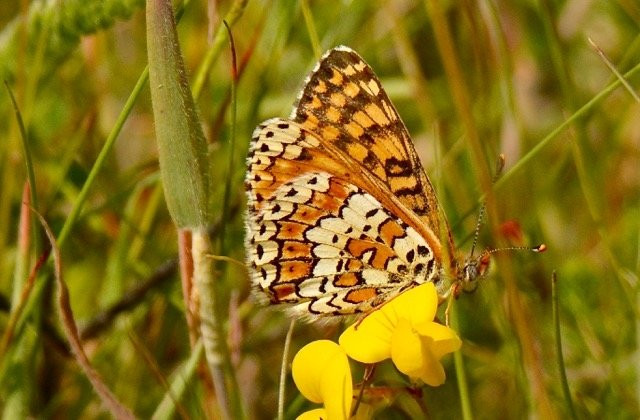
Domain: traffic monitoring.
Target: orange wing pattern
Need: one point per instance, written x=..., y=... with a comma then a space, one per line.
x=318, y=241
x=341, y=216
x=344, y=104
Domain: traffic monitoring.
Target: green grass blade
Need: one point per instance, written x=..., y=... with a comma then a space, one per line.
x=560, y=358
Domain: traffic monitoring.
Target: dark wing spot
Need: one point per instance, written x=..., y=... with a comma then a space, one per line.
x=304, y=155
x=423, y=250
x=283, y=126
x=323, y=285
x=421, y=211
x=314, y=180
x=366, y=139
x=397, y=167
x=269, y=134
x=339, y=266
x=334, y=239
x=264, y=147
x=291, y=192
x=418, y=268
x=276, y=208
x=371, y=213
x=410, y=255
x=402, y=269
x=430, y=265
x=263, y=229
x=260, y=251
x=366, y=228
x=369, y=161
x=416, y=189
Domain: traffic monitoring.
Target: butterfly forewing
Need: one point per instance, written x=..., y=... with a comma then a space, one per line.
x=344, y=104
x=338, y=201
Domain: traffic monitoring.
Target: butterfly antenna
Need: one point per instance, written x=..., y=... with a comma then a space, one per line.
x=539, y=248
x=483, y=208
x=478, y=224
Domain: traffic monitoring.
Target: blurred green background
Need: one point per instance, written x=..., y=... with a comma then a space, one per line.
x=524, y=68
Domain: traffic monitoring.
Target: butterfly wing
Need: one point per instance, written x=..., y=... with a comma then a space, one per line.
x=316, y=239
x=344, y=104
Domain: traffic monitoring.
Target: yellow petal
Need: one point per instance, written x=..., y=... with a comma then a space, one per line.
x=337, y=386
x=416, y=351
x=370, y=340
x=322, y=374
x=445, y=340
x=406, y=349
x=432, y=372
x=416, y=305
x=317, y=414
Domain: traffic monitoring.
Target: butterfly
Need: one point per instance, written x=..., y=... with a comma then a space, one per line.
x=341, y=216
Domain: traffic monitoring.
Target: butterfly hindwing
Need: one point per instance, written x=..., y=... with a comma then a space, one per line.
x=315, y=239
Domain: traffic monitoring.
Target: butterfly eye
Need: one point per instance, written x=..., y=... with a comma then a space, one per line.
x=473, y=271
x=470, y=274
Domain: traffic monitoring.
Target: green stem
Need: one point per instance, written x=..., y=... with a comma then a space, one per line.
x=311, y=28
x=461, y=375
x=283, y=370
x=561, y=369
x=101, y=159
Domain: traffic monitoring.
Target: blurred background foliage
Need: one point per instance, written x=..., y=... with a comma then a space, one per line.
x=526, y=66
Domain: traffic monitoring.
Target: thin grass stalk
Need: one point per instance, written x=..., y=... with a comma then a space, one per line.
x=232, y=16
x=284, y=368
x=459, y=90
x=23, y=257
x=410, y=65
x=614, y=70
x=234, y=400
x=110, y=401
x=22, y=260
x=179, y=385
x=311, y=28
x=580, y=145
x=461, y=374
x=507, y=66
x=560, y=357
x=24, y=245
x=22, y=284
x=26, y=150
x=581, y=112
x=98, y=165
x=232, y=140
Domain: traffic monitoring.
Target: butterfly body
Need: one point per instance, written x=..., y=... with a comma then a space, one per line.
x=341, y=215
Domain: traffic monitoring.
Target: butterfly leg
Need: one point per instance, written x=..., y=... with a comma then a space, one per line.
x=451, y=295
x=366, y=378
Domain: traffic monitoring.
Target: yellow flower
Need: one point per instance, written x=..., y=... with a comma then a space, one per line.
x=322, y=374
x=403, y=330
